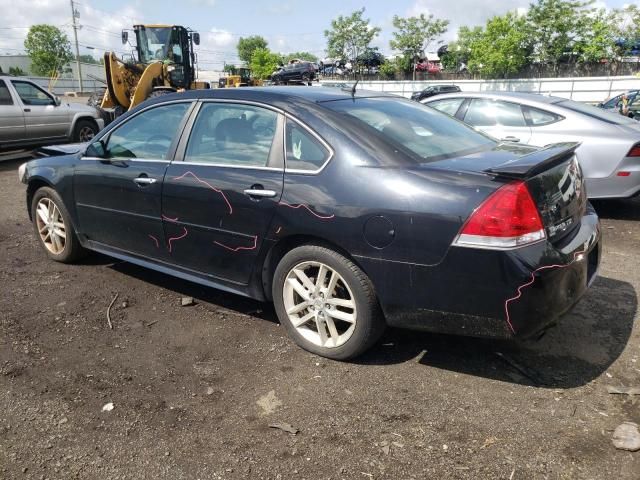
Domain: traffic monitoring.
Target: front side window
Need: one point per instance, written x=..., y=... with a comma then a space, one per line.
x=236, y=135
x=31, y=94
x=5, y=95
x=304, y=151
x=448, y=105
x=425, y=134
x=148, y=135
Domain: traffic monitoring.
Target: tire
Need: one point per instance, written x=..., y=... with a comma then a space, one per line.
x=71, y=249
x=347, y=339
x=84, y=130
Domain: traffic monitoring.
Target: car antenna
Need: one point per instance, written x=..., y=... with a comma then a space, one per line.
x=353, y=89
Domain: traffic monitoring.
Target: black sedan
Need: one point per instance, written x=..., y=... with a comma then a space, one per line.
x=350, y=211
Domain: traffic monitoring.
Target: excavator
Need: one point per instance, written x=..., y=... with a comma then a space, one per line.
x=165, y=63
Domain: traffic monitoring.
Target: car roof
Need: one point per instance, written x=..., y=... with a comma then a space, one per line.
x=515, y=96
x=275, y=94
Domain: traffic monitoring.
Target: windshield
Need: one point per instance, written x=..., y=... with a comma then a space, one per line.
x=423, y=132
x=599, y=113
x=159, y=44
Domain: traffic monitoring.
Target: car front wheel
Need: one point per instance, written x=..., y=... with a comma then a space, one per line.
x=84, y=131
x=326, y=303
x=52, y=225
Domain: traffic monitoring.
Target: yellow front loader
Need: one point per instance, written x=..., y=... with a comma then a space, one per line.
x=165, y=63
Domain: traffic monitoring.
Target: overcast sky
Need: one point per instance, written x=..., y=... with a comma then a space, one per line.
x=288, y=25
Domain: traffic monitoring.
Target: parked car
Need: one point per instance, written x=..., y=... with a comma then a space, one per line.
x=609, y=150
x=350, y=211
x=432, y=90
x=30, y=116
x=614, y=104
x=304, y=72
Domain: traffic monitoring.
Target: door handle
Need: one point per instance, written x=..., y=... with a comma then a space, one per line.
x=27, y=109
x=510, y=139
x=144, y=180
x=259, y=192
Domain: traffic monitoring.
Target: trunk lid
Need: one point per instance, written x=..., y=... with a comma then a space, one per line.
x=552, y=174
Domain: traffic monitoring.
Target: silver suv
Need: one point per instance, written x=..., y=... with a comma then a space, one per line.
x=30, y=116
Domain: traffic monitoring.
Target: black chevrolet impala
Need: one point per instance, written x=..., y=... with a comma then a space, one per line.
x=349, y=210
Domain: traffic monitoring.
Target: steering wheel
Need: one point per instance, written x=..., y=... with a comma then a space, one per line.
x=153, y=145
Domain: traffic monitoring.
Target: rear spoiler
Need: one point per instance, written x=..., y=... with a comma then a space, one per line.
x=536, y=162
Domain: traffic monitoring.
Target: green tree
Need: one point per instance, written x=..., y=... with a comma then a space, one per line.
x=555, y=27
x=16, y=71
x=502, y=48
x=264, y=63
x=230, y=68
x=246, y=47
x=602, y=32
x=48, y=48
x=309, y=57
x=350, y=35
x=88, y=59
x=413, y=35
x=459, y=52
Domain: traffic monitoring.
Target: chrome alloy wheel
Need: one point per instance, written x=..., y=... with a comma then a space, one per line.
x=51, y=227
x=320, y=304
x=85, y=134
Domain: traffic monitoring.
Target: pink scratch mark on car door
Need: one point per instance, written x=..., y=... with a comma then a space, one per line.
x=173, y=239
x=301, y=205
x=155, y=240
x=181, y=177
x=533, y=279
x=169, y=219
x=237, y=249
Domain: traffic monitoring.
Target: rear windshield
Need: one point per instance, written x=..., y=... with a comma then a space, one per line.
x=599, y=113
x=426, y=134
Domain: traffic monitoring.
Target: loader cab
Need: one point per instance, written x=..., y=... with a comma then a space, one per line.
x=170, y=44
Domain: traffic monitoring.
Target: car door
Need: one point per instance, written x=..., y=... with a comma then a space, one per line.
x=12, y=127
x=43, y=117
x=118, y=191
x=502, y=120
x=219, y=200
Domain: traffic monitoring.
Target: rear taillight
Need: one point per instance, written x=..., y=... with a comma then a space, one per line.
x=635, y=151
x=507, y=219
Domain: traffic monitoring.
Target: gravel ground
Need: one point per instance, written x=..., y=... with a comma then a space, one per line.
x=195, y=389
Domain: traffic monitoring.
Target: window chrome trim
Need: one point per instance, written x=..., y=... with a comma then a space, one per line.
x=226, y=165
x=322, y=141
x=116, y=159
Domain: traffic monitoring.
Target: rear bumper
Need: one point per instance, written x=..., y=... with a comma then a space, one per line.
x=486, y=293
x=615, y=186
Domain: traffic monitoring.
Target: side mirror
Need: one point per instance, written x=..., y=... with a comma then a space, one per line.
x=97, y=149
x=196, y=38
x=125, y=36
x=57, y=100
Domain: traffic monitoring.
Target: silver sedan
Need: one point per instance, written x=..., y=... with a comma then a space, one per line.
x=610, y=143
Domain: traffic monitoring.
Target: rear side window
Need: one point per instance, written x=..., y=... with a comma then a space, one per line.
x=424, y=134
x=5, y=96
x=448, y=105
x=538, y=118
x=484, y=112
x=304, y=150
x=234, y=135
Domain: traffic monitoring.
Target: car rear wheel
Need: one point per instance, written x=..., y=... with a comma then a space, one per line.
x=53, y=228
x=326, y=303
x=84, y=131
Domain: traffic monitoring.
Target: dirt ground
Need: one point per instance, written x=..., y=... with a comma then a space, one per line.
x=195, y=389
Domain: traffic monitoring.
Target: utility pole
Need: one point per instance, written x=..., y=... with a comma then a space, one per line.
x=75, y=14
